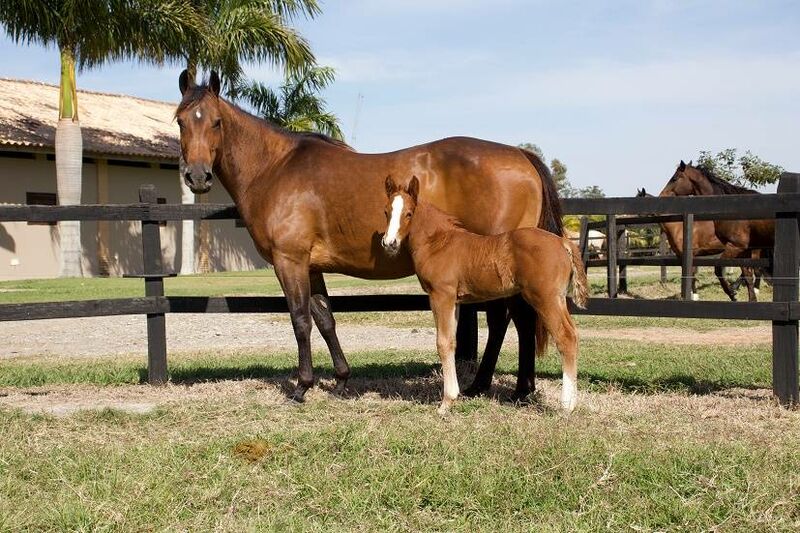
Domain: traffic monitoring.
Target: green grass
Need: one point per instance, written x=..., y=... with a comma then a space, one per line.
x=667, y=437
x=603, y=365
x=252, y=283
x=365, y=465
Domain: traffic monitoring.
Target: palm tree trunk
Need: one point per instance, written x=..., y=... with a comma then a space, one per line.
x=69, y=162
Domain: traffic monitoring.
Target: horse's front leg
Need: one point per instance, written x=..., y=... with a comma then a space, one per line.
x=323, y=318
x=443, y=305
x=293, y=276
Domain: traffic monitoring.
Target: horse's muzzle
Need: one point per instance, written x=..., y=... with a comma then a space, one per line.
x=392, y=247
x=198, y=181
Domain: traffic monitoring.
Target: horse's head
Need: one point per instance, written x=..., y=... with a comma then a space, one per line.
x=687, y=181
x=400, y=206
x=200, y=123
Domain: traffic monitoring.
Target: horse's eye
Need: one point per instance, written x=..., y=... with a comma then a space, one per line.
x=180, y=124
x=408, y=215
x=217, y=123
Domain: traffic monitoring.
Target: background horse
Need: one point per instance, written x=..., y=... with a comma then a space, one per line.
x=455, y=265
x=313, y=205
x=741, y=238
x=704, y=243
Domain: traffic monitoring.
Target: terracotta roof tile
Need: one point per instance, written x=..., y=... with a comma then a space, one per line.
x=112, y=124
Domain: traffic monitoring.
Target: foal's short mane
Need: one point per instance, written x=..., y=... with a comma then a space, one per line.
x=721, y=185
x=196, y=93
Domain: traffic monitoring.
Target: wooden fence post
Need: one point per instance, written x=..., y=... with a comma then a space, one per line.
x=611, y=254
x=622, y=248
x=786, y=262
x=153, y=286
x=662, y=251
x=583, y=240
x=688, y=256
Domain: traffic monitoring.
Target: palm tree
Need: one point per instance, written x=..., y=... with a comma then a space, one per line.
x=88, y=33
x=296, y=105
x=238, y=32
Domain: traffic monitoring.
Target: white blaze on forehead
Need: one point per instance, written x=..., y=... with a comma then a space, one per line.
x=198, y=114
x=394, y=220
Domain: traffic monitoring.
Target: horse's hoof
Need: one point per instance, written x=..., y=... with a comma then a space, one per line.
x=475, y=390
x=443, y=410
x=298, y=396
x=521, y=397
x=340, y=389
x=695, y=297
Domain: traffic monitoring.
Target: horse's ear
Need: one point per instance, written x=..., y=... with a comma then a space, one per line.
x=413, y=188
x=213, y=83
x=682, y=166
x=184, y=82
x=390, y=185
x=690, y=163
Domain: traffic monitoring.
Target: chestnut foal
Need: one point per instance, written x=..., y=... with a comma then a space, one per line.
x=456, y=266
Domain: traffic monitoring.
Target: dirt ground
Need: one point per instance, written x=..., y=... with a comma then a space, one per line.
x=127, y=335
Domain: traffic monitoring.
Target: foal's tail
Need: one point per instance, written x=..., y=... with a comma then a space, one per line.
x=580, y=287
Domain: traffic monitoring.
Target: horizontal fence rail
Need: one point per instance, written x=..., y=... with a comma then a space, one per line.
x=784, y=312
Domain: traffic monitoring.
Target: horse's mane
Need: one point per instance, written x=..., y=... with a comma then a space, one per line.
x=196, y=93
x=721, y=185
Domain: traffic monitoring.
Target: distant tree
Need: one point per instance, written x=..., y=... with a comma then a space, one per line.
x=532, y=148
x=564, y=187
x=592, y=191
x=747, y=170
x=295, y=105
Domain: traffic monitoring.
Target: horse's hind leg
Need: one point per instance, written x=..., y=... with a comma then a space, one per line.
x=497, y=318
x=323, y=318
x=749, y=281
x=562, y=329
x=720, y=273
x=524, y=317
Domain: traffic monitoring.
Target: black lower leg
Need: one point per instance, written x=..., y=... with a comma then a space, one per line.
x=497, y=318
x=326, y=323
x=467, y=333
x=524, y=318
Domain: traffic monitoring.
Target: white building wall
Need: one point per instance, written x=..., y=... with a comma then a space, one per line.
x=31, y=251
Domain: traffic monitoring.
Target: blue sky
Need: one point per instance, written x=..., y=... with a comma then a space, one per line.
x=619, y=91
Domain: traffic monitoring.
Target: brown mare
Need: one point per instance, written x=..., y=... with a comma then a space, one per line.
x=704, y=243
x=740, y=238
x=455, y=266
x=313, y=205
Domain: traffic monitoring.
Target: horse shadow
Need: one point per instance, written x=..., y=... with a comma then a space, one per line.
x=421, y=382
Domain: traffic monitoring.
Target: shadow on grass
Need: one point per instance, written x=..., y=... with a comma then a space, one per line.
x=421, y=382
x=672, y=383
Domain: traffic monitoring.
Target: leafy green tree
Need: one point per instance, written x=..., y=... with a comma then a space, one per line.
x=88, y=33
x=532, y=148
x=296, y=105
x=241, y=32
x=564, y=187
x=747, y=170
x=592, y=191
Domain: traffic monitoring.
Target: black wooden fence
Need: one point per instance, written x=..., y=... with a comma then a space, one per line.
x=783, y=311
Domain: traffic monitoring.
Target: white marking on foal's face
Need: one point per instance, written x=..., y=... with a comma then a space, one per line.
x=390, y=241
x=198, y=114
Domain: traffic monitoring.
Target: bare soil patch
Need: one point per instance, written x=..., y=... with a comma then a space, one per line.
x=127, y=335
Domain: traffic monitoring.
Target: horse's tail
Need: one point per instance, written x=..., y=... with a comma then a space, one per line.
x=550, y=219
x=580, y=287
